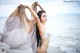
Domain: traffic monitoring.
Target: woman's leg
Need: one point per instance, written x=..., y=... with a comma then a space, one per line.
x=39, y=49
x=42, y=49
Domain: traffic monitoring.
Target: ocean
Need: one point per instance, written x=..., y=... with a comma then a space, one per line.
x=64, y=30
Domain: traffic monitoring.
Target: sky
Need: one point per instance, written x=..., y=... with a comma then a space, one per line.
x=51, y=6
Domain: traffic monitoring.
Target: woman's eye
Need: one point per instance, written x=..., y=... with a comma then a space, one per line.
x=44, y=16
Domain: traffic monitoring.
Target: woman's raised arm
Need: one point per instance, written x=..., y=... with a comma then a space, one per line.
x=32, y=12
x=23, y=12
x=39, y=6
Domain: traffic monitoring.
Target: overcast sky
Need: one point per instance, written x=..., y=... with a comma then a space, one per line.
x=4, y=2
x=51, y=6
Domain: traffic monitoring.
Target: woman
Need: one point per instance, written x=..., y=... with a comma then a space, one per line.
x=41, y=19
x=42, y=36
x=40, y=42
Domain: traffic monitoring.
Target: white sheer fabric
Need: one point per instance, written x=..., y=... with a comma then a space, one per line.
x=15, y=34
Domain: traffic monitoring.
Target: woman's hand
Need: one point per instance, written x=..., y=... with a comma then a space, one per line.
x=24, y=6
x=36, y=3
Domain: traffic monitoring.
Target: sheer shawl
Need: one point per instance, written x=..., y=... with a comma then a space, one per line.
x=15, y=35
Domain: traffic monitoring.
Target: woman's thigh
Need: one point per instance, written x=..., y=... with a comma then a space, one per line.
x=42, y=49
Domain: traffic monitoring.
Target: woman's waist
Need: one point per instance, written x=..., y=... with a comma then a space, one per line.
x=45, y=36
x=45, y=42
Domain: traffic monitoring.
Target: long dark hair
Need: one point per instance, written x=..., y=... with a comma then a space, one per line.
x=37, y=30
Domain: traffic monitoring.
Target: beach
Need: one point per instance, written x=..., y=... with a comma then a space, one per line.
x=50, y=50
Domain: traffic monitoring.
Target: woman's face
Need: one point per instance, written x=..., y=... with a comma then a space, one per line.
x=43, y=17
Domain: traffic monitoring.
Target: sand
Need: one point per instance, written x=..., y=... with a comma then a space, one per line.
x=50, y=50
x=5, y=49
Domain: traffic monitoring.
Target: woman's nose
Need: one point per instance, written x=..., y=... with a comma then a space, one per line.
x=46, y=19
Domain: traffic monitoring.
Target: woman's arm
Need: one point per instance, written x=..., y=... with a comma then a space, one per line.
x=39, y=6
x=34, y=8
x=23, y=12
x=33, y=13
x=15, y=12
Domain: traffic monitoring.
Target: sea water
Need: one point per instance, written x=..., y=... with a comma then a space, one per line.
x=65, y=32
